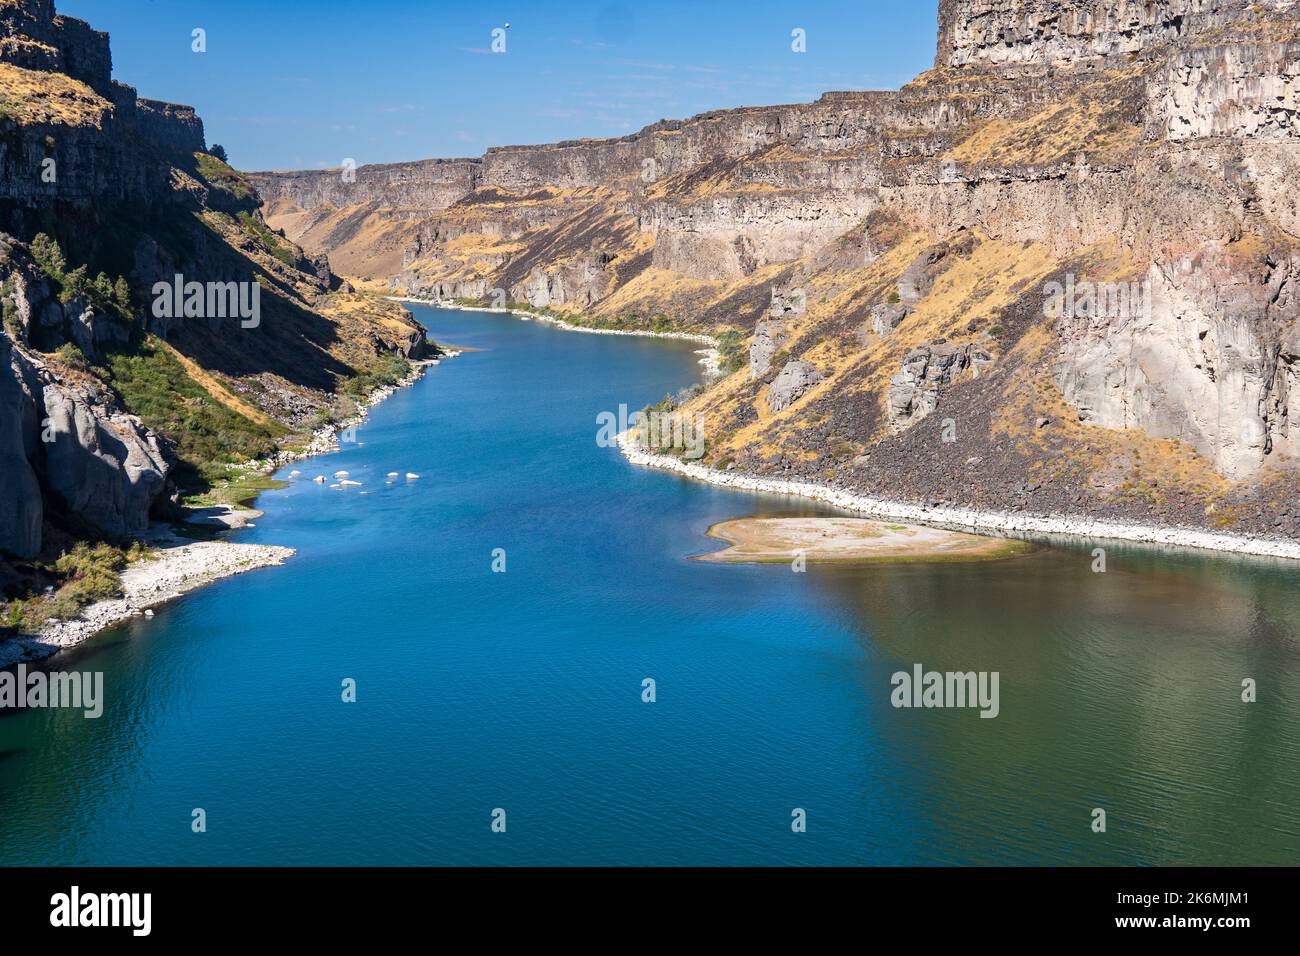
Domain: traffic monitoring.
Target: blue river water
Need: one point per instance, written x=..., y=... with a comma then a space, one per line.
x=522, y=690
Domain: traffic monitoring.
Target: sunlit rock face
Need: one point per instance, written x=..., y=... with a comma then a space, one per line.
x=1061, y=31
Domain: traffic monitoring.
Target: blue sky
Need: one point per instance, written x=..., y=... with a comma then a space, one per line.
x=302, y=84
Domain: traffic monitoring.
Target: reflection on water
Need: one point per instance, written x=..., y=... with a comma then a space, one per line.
x=1120, y=690
x=523, y=690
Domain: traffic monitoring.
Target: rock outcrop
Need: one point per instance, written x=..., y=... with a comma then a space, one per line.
x=1209, y=360
x=927, y=371
x=100, y=462
x=770, y=337
x=794, y=381
x=886, y=315
x=73, y=444
x=66, y=440
x=424, y=186
x=171, y=127
x=34, y=36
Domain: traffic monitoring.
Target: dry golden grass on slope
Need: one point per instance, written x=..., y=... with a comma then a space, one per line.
x=472, y=244
x=655, y=291
x=648, y=292
x=992, y=281
x=360, y=316
x=371, y=306
x=1125, y=464
x=992, y=278
x=1272, y=27
x=364, y=242
x=726, y=177
x=785, y=153
x=497, y=199
x=834, y=356
x=720, y=402
x=588, y=227
x=978, y=286
x=25, y=49
x=763, y=433
x=498, y=235
x=267, y=258
x=361, y=242
x=295, y=221
x=1086, y=122
x=379, y=287
x=33, y=96
x=500, y=243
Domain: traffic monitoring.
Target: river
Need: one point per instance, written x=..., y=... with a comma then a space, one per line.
x=479, y=690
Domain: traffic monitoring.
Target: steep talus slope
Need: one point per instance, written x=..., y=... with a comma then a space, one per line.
x=1056, y=272
x=113, y=404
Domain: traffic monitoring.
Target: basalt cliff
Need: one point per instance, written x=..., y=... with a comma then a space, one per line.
x=1059, y=272
x=113, y=409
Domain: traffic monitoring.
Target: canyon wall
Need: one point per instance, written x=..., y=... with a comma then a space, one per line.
x=1110, y=141
x=172, y=127
x=110, y=410
x=102, y=138
x=1061, y=31
x=35, y=37
x=427, y=185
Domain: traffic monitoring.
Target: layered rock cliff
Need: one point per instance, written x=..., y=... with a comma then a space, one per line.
x=1071, y=31
x=114, y=404
x=1056, y=272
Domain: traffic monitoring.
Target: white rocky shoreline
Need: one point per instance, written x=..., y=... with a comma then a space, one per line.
x=178, y=565
x=711, y=358
x=965, y=519
x=960, y=519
